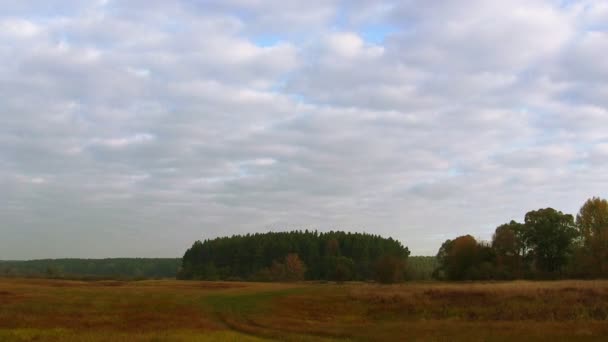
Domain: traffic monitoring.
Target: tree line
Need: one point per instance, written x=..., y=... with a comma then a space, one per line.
x=548, y=244
x=111, y=268
x=296, y=255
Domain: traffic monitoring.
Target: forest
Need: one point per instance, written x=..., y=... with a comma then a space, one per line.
x=548, y=244
x=296, y=255
x=418, y=268
x=110, y=268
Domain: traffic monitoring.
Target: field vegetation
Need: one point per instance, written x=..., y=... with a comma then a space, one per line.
x=61, y=310
x=333, y=286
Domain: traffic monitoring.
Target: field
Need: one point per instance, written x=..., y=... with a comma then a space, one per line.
x=60, y=310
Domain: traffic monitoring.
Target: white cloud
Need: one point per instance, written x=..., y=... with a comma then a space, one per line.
x=350, y=45
x=31, y=180
x=263, y=161
x=18, y=28
x=123, y=121
x=139, y=72
x=135, y=139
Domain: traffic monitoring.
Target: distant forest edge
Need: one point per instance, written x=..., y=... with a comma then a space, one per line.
x=548, y=244
x=297, y=255
x=111, y=268
x=418, y=268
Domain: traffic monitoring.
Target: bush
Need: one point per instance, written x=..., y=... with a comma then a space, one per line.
x=341, y=269
x=389, y=269
x=291, y=269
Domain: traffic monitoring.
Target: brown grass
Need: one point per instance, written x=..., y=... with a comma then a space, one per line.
x=36, y=309
x=546, y=301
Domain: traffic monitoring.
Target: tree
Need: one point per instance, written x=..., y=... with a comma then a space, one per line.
x=592, y=223
x=509, y=248
x=462, y=257
x=209, y=272
x=443, y=256
x=332, y=248
x=53, y=271
x=389, y=269
x=277, y=271
x=592, y=218
x=549, y=235
x=341, y=268
x=294, y=268
x=251, y=256
x=291, y=269
x=456, y=258
x=465, y=259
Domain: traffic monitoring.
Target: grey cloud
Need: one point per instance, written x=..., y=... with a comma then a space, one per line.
x=133, y=128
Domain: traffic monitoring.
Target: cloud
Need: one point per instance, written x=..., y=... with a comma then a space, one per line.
x=132, y=128
x=135, y=139
x=18, y=28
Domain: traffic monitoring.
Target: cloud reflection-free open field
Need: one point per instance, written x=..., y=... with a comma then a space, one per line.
x=59, y=310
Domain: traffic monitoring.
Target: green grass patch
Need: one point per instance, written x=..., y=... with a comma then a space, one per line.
x=245, y=303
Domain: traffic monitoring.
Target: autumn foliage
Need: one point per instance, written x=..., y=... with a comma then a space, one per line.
x=291, y=269
x=390, y=269
x=289, y=256
x=548, y=244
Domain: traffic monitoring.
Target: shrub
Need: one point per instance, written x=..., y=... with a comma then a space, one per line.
x=389, y=269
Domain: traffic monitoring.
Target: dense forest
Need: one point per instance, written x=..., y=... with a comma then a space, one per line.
x=296, y=255
x=547, y=245
x=420, y=267
x=123, y=268
x=417, y=268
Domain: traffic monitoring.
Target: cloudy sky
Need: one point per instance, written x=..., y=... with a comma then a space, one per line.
x=133, y=128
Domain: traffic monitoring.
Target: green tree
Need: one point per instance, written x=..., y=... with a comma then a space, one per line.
x=52, y=271
x=420, y=267
x=332, y=248
x=442, y=258
x=509, y=249
x=456, y=257
x=592, y=223
x=464, y=258
x=549, y=236
x=246, y=256
x=277, y=271
x=341, y=268
x=592, y=218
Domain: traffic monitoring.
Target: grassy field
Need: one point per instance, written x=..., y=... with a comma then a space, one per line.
x=58, y=310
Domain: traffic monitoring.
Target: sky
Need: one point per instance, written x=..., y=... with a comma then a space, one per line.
x=134, y=128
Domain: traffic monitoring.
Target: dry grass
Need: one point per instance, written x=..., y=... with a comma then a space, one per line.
x=58, y=310
x=514, y=301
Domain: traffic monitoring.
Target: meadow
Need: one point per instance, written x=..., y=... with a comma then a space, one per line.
x=168, y=310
